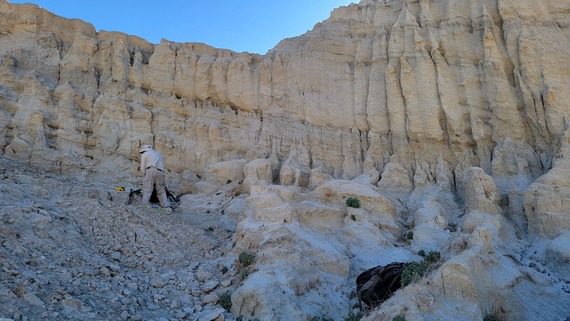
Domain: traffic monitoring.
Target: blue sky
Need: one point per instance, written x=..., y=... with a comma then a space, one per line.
x=248, y=25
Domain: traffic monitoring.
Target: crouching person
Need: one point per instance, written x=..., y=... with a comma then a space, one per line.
x=152, y=166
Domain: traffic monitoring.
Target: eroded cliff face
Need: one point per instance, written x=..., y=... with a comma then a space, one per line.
x=445, y=118
x=417, y=80
x=412, y=82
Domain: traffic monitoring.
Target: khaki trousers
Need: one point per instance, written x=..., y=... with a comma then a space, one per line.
x=154, y=179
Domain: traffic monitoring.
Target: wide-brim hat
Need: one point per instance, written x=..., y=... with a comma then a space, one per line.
x=145, y=148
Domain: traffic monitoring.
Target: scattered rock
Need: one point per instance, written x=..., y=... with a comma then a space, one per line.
x=210, y=285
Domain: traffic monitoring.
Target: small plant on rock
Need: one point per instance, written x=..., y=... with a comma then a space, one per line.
x=491, y=317
x=353, y=317
x=353, y=202
x=416, y=270
x=412, y=272
x=432, y=257
x=246, y=259
x=225, y=301
x=399, y=317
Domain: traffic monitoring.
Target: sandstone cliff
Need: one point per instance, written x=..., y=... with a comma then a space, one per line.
x=424, y=110
x=416, y=79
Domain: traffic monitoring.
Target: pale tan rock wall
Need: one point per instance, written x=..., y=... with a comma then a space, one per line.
x=421, y=80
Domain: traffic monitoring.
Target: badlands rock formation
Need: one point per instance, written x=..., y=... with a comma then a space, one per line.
x=447, y=119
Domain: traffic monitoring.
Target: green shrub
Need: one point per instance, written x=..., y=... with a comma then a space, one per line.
x=246, y=259
x=224, y=270
x=353, y=202
x=353, y=317
x=432, y=257
x=416, y=270
x=491, y=317
x=410, y=235
x=399, y=317
x=225, y=301
x=412, y=272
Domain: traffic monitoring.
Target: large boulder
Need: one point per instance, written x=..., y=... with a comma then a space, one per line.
x=480, y=192
x=396, y=179
x=226, y=172
x=547, y=200
x=257, y=172
x=558, y=255
x=430, y=230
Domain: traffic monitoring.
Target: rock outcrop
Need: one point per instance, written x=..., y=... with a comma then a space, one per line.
x=447, y=120
x=417, y=79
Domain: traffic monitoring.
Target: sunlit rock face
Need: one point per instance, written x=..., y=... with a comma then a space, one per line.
x=447, y=119
x=419, y=80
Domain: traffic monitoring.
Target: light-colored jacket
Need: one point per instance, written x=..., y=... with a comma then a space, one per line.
x=151, y=158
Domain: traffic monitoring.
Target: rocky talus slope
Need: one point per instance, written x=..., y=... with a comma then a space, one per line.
x=447, y=120
x=73, y=250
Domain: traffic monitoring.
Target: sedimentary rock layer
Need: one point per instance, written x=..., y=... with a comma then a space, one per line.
x=417, y=79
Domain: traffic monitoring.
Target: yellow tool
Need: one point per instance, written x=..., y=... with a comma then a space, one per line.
x=120, y=188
